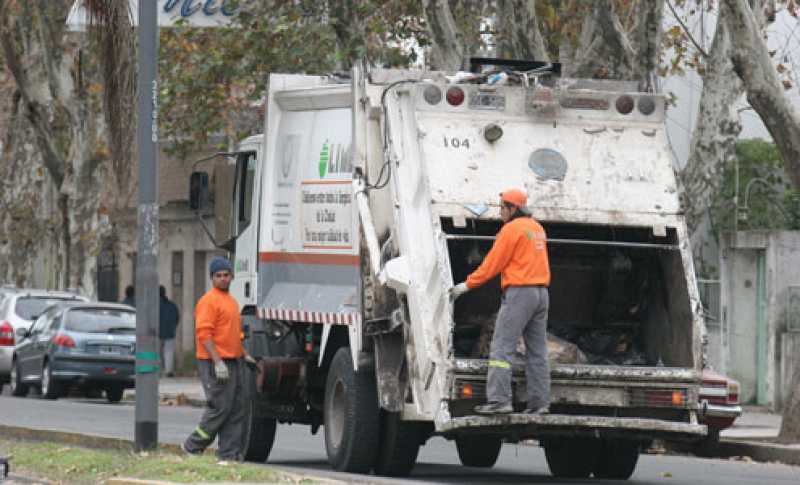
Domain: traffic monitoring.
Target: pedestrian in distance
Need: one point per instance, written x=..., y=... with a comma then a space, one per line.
x=519, y=255
x=220, y=356
x=130, y=296
x=168, y=318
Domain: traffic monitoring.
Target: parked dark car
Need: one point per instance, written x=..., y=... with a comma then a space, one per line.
x=86, y=345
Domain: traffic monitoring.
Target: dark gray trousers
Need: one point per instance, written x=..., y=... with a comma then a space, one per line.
x=224, y=414
x=523, y=313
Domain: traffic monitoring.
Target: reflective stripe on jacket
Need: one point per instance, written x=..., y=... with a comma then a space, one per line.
x=519, y=254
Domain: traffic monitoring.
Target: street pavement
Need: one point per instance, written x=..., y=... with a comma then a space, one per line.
x=298, y=451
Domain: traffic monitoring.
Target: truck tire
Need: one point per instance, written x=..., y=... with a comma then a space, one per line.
x=18, y=389
x=351, y=415
x=399, y=446
x=571, y=457
x=114, y=393
x=616, y=459
x=258, y=434
x=479, y=451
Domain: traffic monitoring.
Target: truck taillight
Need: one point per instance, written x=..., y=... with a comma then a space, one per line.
x=432, y=94
x=6, y=334
x=647, y=105
x=624, y=105
x=466, y=391
x=455, y=96
x=62, y=340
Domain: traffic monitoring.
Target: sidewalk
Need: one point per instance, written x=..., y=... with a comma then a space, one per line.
x=177, y=391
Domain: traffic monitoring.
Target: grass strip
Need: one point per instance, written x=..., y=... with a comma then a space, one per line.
x=70, y=464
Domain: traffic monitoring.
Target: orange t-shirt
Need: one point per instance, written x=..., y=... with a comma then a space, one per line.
x=519, y=254
x=217, y=318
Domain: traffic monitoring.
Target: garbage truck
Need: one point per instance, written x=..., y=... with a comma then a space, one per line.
x=368, y=197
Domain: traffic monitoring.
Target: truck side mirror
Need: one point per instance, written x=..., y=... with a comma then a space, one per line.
x=198, y=190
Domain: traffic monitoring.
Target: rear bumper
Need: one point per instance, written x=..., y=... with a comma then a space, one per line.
x=526, y=426
x=91, y=370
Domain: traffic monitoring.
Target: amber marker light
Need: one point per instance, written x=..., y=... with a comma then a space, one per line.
x=677, y=398
x=466, y=391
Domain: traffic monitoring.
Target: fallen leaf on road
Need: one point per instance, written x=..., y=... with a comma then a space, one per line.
x=666, y=475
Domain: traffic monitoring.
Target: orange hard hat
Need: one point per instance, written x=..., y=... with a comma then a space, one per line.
x=515, y=197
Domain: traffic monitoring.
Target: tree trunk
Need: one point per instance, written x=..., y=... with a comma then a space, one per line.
x=717, y=127
x=765, y=93
x=51, y=77
x=518, y=34
x=448, y=50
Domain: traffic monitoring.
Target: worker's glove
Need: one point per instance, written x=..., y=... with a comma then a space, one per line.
x=221, y=371
x=250, y=362
x=459, y=290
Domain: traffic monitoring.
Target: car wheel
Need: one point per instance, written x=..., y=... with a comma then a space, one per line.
x=18, y=389
x=114, y=394
x=50, y=387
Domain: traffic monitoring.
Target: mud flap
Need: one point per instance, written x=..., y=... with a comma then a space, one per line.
x=390, y=370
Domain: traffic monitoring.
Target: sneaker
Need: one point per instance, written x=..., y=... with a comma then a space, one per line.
x=541, y=410
x=494, y=408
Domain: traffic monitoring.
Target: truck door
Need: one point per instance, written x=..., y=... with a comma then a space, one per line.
x=245, y=228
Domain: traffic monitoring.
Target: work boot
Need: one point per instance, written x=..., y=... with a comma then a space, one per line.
x=541, y=410
x=494, y=408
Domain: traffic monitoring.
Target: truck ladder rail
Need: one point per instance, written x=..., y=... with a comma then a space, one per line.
x=587, y=242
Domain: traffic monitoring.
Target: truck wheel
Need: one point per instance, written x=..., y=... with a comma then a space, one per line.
x=571, y=457
x=616, y=459
x=479, y=451
x=351, y=415
x=399, y=446
x=259, y=431
x=18, y=389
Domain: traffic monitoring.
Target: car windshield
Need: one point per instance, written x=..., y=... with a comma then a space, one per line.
x=30, y=307
x=100, y=320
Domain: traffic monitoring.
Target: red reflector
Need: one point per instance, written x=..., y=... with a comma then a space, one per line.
x=6, y=334
x=62, y=340
x=455, y=96
x=109, y=370
x=309, y=347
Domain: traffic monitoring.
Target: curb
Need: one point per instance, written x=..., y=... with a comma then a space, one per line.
x=760, y=451
x=101, y=442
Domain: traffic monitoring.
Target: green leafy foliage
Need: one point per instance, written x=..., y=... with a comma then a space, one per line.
x=769, y=203
x=213, y=80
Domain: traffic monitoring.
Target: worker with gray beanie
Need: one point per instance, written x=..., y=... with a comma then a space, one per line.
x=220, y=355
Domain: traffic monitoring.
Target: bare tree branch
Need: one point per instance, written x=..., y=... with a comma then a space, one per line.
x=686, y=30
x=765, y=93
x=35, y=112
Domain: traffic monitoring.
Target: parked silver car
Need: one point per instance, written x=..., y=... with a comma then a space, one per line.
x=86, y=345
x=18, y=309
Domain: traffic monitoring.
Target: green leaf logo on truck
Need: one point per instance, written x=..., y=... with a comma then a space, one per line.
x=324, y=158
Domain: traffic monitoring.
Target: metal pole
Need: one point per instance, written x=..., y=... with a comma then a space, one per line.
x=147, y=361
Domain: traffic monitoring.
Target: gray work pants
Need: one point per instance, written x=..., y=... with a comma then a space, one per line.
x=523, y=313
x=224, y=414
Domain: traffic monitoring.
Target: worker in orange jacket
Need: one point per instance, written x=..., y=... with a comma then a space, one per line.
x=220, y=355
x=519, y=255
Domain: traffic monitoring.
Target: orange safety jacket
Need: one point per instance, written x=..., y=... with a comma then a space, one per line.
x=519, y=253
x=217, y=318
